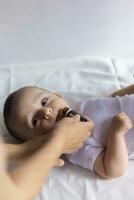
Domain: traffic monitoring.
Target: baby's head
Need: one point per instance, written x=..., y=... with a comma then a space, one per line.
x=32, y=111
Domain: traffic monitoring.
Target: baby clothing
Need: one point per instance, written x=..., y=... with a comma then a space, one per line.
x=101, y=111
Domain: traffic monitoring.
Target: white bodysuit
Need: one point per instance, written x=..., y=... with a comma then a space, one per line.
x=101, y=111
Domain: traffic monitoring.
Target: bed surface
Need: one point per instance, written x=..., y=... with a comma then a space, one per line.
x=76, y=79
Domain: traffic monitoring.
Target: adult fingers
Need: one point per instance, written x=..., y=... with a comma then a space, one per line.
x=59, y=163
x=76, y=118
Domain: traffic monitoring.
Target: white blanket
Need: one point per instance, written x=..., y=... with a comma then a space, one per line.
x=76, y=79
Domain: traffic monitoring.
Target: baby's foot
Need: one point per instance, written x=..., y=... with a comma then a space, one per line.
x=121, y=123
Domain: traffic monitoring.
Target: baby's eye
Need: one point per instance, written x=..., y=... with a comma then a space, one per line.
x=34, y=121
x=44, y=101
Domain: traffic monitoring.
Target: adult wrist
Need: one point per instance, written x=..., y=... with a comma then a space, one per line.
x=58, y=140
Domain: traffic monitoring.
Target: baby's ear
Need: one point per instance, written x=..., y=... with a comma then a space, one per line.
x=57, y=94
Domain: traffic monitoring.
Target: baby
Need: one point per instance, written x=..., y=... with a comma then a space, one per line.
x=32, y=111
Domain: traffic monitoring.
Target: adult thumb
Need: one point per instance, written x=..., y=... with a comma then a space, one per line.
x=59, y=163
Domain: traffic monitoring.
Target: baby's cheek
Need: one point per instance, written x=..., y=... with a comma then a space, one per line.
x=47, y=126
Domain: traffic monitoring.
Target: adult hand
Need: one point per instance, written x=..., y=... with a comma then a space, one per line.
x=27, y=148
x=71, y=132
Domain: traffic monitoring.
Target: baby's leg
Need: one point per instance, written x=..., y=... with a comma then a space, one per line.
x=113, y=161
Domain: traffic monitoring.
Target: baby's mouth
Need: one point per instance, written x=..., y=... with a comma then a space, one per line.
x=61, y=114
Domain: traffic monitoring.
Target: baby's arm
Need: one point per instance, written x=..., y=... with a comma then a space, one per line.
x=126, y=90
x=112, y=162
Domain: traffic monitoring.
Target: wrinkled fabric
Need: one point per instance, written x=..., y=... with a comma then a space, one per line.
x=101, y=111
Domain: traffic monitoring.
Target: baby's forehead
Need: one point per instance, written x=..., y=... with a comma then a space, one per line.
x=31, y=92
x=26, y=97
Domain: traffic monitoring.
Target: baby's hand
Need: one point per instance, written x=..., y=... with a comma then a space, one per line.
x=122, y=122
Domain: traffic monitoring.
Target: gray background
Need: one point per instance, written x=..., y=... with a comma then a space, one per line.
x=36, y=30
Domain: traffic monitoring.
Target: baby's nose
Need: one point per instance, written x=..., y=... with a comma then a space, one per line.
x=45, y=113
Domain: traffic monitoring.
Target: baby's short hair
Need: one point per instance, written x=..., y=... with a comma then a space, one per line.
x=7, y=113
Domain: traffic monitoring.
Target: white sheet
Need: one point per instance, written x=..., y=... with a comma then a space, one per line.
x=76, y=79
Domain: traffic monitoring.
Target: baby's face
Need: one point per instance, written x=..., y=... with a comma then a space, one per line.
x=36, y=112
